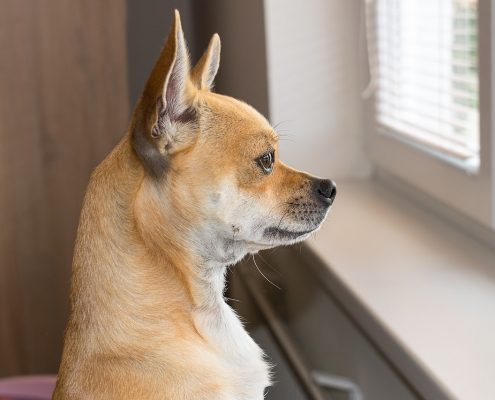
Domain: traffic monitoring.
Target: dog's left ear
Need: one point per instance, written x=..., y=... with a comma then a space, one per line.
x=165, y=114
x=206, y=68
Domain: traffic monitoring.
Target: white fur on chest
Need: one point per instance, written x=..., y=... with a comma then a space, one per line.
x=241, y=357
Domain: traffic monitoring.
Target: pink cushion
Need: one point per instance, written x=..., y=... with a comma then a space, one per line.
x=33, y=387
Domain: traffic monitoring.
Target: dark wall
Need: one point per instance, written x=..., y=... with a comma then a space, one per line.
x=63, y=106
x=240, y=25
x=148, y=24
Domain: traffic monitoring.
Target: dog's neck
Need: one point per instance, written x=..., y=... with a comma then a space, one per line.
x=144, y=278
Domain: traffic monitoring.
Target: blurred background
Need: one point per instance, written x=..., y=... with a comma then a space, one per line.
x=382, y=96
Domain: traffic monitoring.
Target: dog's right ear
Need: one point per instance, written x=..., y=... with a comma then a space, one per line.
x=165, y=106
x=206, y=68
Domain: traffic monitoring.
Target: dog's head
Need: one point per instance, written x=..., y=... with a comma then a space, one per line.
x=213, y=173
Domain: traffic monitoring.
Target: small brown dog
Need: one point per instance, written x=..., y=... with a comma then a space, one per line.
x=194, y=185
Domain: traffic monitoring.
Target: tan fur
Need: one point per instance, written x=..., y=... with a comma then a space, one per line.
x=146, y=291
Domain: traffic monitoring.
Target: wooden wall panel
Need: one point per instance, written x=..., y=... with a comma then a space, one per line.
x=63, y=105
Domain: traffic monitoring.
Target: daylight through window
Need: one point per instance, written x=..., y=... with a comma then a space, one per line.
x=426, y=55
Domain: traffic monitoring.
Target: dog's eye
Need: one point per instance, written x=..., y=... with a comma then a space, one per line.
x=266, y=162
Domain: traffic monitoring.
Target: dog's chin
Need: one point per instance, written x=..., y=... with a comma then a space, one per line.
x=276, y=236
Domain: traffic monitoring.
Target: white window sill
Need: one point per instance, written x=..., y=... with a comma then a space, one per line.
x=423, y=291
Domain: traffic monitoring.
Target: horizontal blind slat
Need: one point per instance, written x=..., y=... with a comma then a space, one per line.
x=410, y=87
x=440, y=129
x=388, y=57
x=416, y=126
x=393, y=99
x=430, y=119
x=436, y=144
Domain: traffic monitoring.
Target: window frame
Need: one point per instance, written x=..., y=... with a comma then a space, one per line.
x=469, y=192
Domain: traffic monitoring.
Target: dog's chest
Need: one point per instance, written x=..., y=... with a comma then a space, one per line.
x=241, y=357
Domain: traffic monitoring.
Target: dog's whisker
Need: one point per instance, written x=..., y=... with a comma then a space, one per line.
x=280, y=123
x=267, y=263
x=263, y=275
x=282, y=218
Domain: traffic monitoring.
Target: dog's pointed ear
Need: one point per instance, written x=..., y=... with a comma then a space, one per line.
x=206, y=68
x=166, y=103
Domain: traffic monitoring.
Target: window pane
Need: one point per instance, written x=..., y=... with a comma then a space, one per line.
x=427, y=76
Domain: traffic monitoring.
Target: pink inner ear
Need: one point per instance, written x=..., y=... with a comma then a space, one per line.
x=212, y=70
x=177, y=80
x=213, y=64
x=172, y=86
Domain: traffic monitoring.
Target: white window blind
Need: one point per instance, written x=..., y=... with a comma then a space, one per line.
x=424, y=57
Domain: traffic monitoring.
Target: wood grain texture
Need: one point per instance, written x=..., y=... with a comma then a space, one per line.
x=63, y=106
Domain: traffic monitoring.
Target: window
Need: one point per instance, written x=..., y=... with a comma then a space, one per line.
x=427, y=53
x=431, y=115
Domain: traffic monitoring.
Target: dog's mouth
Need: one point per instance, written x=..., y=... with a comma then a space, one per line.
x=274, y=233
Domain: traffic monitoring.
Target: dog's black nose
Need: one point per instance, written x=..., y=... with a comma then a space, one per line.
x=327, y=189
